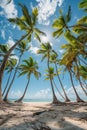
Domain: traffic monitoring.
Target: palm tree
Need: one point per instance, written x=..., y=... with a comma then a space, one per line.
x=61, y=24
x=67, y=61
x=26, y=23
x=22, y=47
x=49, y=76
x=46, y=50
x=54, y=60
x=78, y=77
x=10, y=66
x=28, y=68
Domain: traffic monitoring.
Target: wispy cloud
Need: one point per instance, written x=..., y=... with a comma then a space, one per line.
x=33, y=49
x=71, y=93
x=10, y=42
x=61, y=50
x=46, y=9
x=9, y=10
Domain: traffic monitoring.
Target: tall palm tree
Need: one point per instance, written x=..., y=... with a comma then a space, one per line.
x=46, y=50
x=26, y=23
x=49, y=76
x=28, y=68
x=10, y=66
x=22, y=48
x=67, y=61
x=54, y=60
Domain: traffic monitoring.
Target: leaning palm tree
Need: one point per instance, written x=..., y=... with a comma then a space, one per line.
x=9, y=68
x=67, y=61
x=50, y=76
x=46, y=50
x=22, y=48
x=28, y=68
x=54, y=60
x=26, y=23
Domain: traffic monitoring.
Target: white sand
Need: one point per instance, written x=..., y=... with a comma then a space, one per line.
x=53, y=117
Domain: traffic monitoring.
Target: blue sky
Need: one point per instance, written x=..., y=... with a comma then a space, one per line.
x=48, y=11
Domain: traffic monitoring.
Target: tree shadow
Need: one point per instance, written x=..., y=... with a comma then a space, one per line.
x=61, y=116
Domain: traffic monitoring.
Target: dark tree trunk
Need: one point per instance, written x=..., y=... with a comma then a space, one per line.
x=55, y=100
x=66, y=97
x=14, y=76
x=22, y=97
x=77, y=96
x=58, y=89
x=3, y=65
x=80, y=79
x=7, y=83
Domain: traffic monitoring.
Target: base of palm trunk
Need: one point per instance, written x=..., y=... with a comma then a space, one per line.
x=5, y=100
x=67, y=100
x=19, y=100
x=80, y=100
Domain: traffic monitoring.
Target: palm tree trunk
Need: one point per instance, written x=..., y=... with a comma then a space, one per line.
x=77, y=96
x=79, y=79
x=55, y=100
x=20, y=99
x=2, y=68
x=58, y=90
x=7, y=83
x=66, y=97
x=82, y=61
x=14, y=76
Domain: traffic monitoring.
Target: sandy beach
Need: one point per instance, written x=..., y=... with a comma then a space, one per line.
x=43, y=116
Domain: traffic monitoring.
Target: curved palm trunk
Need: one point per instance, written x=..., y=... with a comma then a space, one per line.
x=20, y=99
x=55, y=100
x=80, y=79
x=7, y=83
x=77, y=96
x=85, y=84
x=66, y=97
x=2, y=68
x=14, y=76
x=58, y=90
x=82, y=60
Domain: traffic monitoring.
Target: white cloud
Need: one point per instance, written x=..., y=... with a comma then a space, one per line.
x=3, y=34
x=42, y=94
x=71, y=93
x=33, y=49
x=8, y=9
x=61, y=51
x=15, y=94
x=47, y=94
x=46, y=9
x=10, y=42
